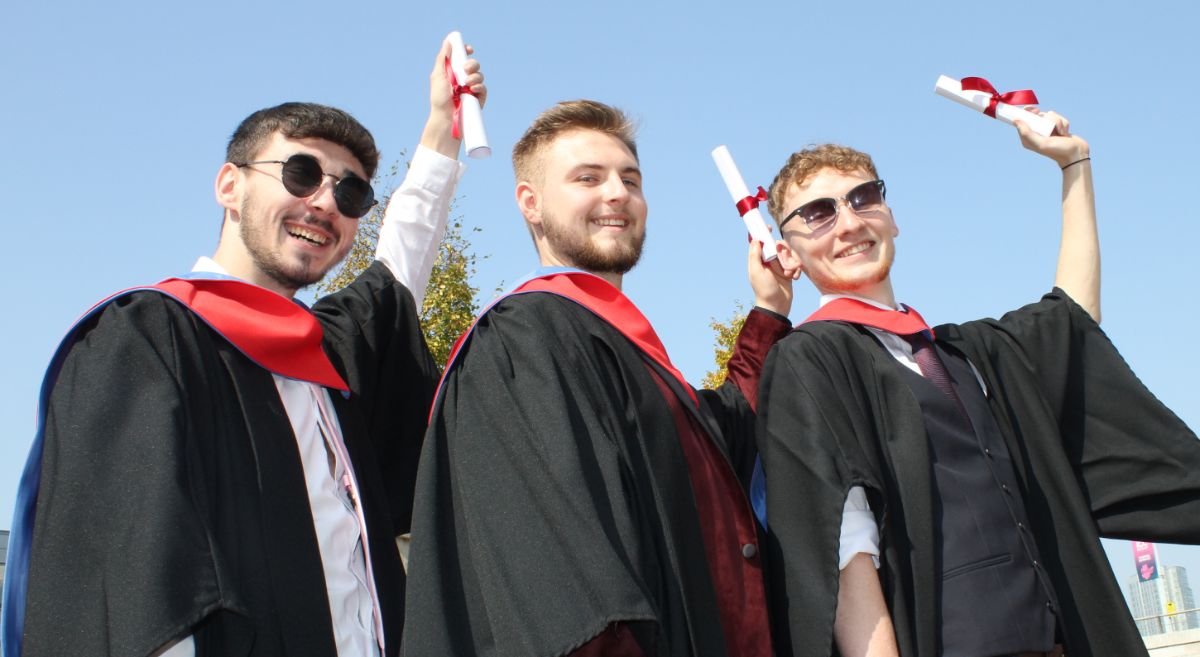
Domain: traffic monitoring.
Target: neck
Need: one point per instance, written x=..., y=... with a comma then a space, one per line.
x=880, y=292
x=550, y=260
x=240, y=265
x=613, y=279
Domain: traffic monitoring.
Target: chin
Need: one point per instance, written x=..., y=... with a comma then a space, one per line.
x=852, y=283
x=614, y=257
x=296, y=275
x=609, y=263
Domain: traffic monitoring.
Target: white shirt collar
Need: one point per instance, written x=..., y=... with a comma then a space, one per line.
x=826, y=298
x=208, y=265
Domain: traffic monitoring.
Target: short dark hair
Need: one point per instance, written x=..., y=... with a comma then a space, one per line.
x=565, y=117
x=301, y=121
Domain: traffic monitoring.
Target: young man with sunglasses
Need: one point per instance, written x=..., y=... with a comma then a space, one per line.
x=219, y=470
x=576, y=496
x=943, y=491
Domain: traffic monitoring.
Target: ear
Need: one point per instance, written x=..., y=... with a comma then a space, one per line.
x=788, y=258
x=229, y=188
x=529, y=202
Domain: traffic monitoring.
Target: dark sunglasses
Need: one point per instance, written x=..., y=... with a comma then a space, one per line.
x=821, y=212
x=302, y=177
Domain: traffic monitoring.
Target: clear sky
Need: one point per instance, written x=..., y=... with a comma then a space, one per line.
x=117, y=114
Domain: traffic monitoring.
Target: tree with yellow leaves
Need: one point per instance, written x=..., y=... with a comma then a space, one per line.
x=725, y=338
x=449, y=306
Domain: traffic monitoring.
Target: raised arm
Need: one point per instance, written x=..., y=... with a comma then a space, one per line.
x=416, y=216
x=734, y=401
x=1078, y=271
x=772, y=286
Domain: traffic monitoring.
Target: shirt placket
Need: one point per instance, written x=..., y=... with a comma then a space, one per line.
x=344, y=473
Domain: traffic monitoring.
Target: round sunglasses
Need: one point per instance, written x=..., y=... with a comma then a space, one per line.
x=302, y=177
x=822, y=212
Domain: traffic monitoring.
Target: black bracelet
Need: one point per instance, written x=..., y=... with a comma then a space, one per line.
x=1076, y=162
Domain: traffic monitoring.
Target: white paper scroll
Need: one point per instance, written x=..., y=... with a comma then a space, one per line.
x=738, y=190
x=474, y=136
x=978, y=100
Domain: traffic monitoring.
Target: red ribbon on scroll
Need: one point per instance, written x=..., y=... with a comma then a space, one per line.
x=456, y=90
x=1022, y=97
x=750, y=202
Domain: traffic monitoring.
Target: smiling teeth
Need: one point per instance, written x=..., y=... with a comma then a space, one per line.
x=611, y=222
x=857, y=248
x=307, y=235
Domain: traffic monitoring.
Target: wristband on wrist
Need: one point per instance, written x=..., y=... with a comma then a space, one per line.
x=1076, y=162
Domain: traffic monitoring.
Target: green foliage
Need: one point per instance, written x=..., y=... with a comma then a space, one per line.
x=724, y=339
x=449, y=306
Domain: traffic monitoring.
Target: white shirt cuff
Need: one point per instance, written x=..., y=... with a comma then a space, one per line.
x=185, y=647
x=859, y=532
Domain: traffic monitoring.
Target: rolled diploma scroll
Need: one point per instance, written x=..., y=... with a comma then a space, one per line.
x=952, y=89
x=474, y=137
x=738, y=190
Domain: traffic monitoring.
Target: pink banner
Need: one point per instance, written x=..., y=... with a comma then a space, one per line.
x=1145, y=561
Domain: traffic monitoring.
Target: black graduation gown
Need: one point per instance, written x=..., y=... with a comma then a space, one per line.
x=173, y=499
x=1095, y=454
x=553, y=495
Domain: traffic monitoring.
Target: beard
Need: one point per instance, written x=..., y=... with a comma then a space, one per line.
x=581, y=252
x=834, y=283
x=258, y=236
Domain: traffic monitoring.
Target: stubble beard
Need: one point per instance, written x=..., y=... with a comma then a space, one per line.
x=835, y=284
x=256, y=236
x=584, y=254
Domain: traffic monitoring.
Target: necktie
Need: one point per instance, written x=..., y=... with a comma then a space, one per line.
x=932, y=367
x=909, y=325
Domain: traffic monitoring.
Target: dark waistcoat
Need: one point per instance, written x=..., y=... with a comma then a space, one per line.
x=995, y=597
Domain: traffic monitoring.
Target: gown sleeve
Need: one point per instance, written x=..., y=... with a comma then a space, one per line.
x=809, y=425
x=1137, y=463
x=121, y=561
x=734, y=401
x=373, y=337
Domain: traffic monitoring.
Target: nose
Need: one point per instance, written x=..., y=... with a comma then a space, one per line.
x=847, y=220
x=322, y=200
x=615, y=189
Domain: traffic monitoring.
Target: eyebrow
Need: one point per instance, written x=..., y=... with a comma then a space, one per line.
x=589, y=166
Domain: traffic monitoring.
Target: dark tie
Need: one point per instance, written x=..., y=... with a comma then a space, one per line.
x=932, y=368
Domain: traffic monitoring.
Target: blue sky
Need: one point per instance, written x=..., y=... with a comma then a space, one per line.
x=118, y=112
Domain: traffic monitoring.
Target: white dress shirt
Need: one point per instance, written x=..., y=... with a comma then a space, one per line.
x=413, y=226
x=859, y=532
